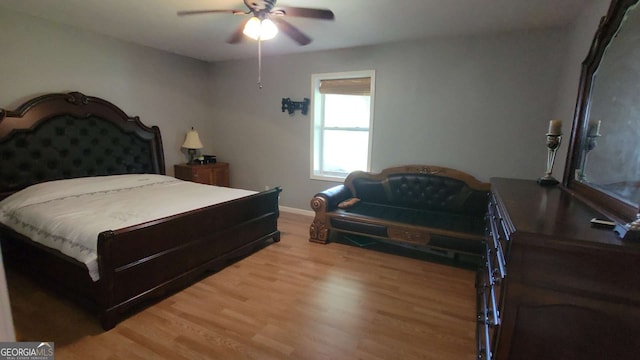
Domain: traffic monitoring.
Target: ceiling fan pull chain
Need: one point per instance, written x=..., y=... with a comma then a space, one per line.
x=259, y=63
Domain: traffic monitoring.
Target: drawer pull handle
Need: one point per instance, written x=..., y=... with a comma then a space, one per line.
x=484, y=342
x=494, y=234
x=498, y=249
x=489, y=268
x=495, y=314
x=504, y=229
x=501, y=263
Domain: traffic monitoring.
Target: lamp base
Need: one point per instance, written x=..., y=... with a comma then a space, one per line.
x=548, y=180
x=192, y=156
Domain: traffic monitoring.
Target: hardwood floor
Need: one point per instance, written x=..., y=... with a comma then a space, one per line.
x=290, y=300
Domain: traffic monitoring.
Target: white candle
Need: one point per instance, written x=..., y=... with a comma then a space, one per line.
x=555, y=127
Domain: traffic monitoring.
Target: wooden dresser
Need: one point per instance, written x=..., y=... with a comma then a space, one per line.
x=210, y=174
x=553, y=287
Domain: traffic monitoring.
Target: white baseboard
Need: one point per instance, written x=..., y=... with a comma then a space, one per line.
x=297, y=211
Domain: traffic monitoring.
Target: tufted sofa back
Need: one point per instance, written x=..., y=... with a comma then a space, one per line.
x=437, y=190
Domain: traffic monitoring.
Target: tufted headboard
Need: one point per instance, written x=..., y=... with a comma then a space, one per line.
x=61, y=136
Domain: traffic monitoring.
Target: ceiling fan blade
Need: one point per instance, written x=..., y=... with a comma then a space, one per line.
x=237, y=35
x=196, y=12
x=306, y=12
x=292, y=31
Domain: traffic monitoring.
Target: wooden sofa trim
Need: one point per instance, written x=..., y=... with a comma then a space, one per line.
x=471, y=181
x=325, y=205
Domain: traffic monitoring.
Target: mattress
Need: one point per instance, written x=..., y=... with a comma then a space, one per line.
x=68, y=215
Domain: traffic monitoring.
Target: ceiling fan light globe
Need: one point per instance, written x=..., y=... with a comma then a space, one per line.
x=252, y=28
x=260, y=29
x=269, y=30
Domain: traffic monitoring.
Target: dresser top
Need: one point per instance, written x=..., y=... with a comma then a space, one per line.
x=553, y=212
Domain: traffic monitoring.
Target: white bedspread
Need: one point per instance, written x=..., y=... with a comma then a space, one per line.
x=68, y=215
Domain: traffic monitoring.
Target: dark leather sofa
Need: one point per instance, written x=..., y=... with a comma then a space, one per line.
x=419, y=206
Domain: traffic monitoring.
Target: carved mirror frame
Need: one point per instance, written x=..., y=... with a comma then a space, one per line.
x=618, y=210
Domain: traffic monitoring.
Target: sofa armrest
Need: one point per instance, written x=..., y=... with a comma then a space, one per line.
x=332, y=197
x=322, y=203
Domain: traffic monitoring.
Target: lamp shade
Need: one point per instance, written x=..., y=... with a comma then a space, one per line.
x=192, y=140
x=260, y=29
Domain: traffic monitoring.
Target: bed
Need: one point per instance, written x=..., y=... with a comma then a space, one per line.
x=62, y=136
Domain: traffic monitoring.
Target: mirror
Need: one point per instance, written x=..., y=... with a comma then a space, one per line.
x=604, y=163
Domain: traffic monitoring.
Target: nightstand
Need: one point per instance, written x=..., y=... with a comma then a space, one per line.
x=210, y=174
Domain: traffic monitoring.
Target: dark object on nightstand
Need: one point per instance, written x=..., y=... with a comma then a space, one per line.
x=547, y=181
x=209, y=159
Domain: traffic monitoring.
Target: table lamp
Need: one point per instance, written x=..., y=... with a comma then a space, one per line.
x=192, y=143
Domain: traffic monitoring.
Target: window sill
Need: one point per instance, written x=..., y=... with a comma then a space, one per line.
x=328, y=178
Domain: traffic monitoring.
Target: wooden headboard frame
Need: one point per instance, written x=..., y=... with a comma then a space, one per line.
x=60, y=136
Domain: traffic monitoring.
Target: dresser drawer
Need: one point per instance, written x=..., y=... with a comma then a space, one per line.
x=581, y=270
x=496, y=243
x=490, y=286
x=496, y=252
x=484, y=332
x=489, y=281
x=209, y=174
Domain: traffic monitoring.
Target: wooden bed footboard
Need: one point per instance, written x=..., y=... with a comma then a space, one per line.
x=149, y=260
x=144, y=263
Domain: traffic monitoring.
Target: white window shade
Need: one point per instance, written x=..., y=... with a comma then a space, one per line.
x=352, y=86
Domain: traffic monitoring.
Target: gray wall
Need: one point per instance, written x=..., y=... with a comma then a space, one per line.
x=167, y=90
x=479, y=104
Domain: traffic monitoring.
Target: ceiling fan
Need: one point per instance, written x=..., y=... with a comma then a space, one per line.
x=266, y=14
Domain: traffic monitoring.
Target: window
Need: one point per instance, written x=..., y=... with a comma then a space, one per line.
x=341, y=123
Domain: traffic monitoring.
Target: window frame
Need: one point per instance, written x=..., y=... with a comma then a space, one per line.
x=317, y=110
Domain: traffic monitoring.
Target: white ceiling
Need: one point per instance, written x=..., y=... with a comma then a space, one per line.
x=154, y=23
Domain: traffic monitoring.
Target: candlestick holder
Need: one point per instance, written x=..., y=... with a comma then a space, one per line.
x=629, y=231
x=590, y=144
x=553, y=143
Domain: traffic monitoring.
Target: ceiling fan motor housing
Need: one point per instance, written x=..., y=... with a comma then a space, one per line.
x=260, y=6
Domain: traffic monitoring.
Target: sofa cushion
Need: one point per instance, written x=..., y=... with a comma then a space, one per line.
x=458, y=222
x=422, y=192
